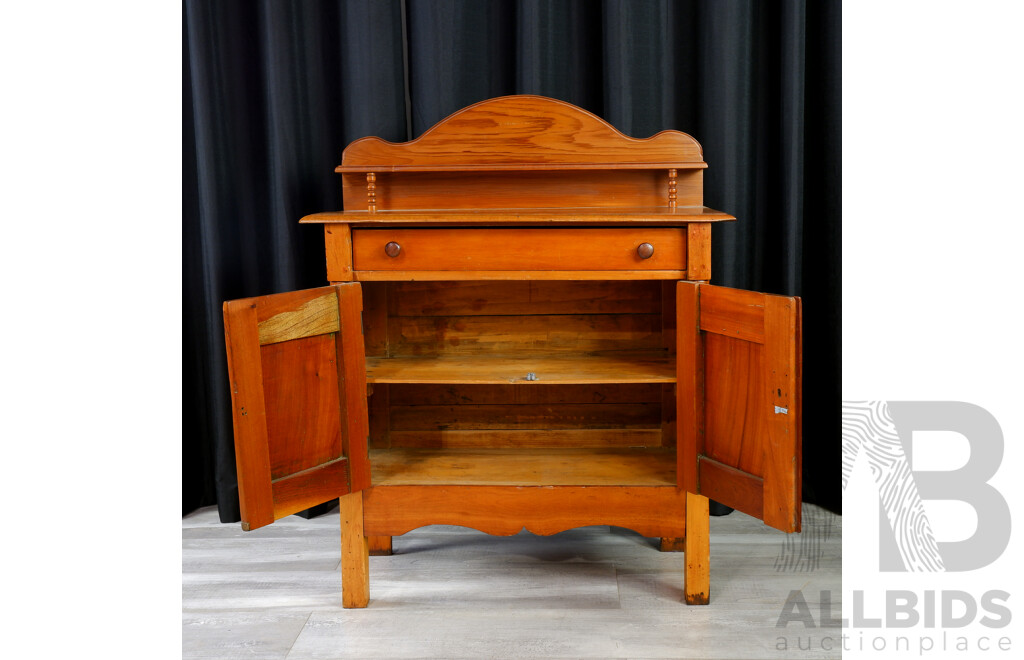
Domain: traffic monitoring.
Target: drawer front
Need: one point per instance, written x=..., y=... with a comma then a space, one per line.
x=523, y=249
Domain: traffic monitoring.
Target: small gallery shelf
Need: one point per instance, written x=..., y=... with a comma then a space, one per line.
x=620, y=466
x=620, y=367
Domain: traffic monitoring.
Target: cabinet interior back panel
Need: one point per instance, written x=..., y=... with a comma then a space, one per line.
x=522, y=317
x=521, y=190
x=554, y=321
x=480, y=416
x=523, y=297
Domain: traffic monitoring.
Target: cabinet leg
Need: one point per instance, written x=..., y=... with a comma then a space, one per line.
x=672, y=544
x=355, y=555
x=697, y=580
x=379, y=545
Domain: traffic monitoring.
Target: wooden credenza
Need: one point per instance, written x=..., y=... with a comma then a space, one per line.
x=518, y=333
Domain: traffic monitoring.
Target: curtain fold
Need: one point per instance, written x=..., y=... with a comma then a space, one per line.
x=459, y=53
x=274, y=91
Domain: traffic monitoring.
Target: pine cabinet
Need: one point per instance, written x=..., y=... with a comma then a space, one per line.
x=518, y=333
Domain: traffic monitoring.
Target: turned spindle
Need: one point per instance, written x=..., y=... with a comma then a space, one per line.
x=672, y=188
x=371, y=192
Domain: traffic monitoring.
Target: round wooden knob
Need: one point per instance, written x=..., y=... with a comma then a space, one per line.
x=645, y=250
x=392, y=249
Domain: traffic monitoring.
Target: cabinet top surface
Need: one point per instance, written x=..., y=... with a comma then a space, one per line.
x=549, y=216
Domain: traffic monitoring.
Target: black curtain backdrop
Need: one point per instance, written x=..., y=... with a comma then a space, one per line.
x=274, y=91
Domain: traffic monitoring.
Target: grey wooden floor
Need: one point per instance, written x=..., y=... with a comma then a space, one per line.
x=450, y=592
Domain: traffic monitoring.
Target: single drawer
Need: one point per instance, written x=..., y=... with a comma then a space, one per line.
x=520, y=249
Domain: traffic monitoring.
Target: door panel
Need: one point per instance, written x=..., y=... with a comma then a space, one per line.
x=739, y=372
x=298, y=389
x=302, y=405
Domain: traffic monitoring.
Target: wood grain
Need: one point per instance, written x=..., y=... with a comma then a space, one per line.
x=732, y=313
x=377, y=408
x=456, y=275
x=507, y=510
x=351, y=370
x=640, y=367
x=300, y=390
x=248, y=414
x=523, y=130
x=523, y=394
x=338, y=244
x=542, y=334
x=286, y=397
x=698, y=251
x=697, y=578
x=494, y=298
x=297, y=314
x=741, y=490
x=553, y=248
x=524, y=416
x=669, y=316
x=524, y=467
x=300, y=491
x=782, y=474
x=315, y=317
x=671, y=544
x=287, y=304
x=375, y=317
x=355, y=553
x=519, y=190
x=748, y=456
x=669, y=418
x=380, y=546
x=534, y=438
x=734, y=403
x=690, y=385
x=588, y=215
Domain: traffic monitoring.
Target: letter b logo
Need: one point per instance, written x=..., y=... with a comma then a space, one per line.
x=883, y=430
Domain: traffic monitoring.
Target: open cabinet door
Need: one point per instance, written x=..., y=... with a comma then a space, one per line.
x=297, y=367
x=739, y=388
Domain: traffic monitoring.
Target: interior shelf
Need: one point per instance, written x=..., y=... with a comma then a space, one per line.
x=647, y=466
x=625, y=367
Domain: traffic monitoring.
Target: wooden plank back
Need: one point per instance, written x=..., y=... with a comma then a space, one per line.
x=522, y=152
x=522, y=317
x=534, y=334
x=522, y=131
x=519, y=466
x=523, y=394
x=289, y=358
x=547, y=327
x=524, y=297
x=521, y=190
x=740, y=383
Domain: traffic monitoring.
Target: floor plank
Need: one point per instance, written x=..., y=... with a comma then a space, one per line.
x=449, y=592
